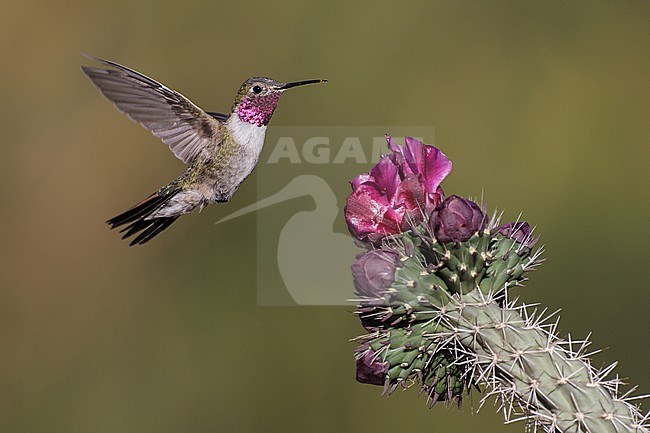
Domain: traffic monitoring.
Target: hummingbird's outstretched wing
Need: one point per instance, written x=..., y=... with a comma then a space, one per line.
x=219, y=116
x=170, y=116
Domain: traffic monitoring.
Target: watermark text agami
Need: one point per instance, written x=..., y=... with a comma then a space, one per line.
x=325, y=150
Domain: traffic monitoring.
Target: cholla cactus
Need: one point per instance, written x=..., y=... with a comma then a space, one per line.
x=434, y=295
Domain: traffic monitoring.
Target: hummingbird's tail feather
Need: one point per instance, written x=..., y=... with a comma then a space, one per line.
x=148, y=228
x=139, y=218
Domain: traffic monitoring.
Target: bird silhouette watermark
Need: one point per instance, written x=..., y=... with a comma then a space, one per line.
x=303, y=248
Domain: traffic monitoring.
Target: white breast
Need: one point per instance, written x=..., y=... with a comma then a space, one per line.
x=251, y=140
x=250, y=136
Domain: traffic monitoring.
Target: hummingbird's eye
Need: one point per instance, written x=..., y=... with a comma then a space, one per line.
x=257, y=89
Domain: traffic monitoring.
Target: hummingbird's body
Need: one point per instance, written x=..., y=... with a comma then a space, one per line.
x=220, y=150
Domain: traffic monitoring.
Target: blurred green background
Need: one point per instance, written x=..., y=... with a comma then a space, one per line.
x=544, y=106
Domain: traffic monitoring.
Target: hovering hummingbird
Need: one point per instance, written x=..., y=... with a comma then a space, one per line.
x=221, y=150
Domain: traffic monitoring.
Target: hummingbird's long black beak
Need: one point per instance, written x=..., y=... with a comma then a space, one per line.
x=299, y=83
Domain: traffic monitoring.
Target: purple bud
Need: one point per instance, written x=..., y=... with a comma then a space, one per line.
x=370, y=369
x=520, y=232
x=456, y=220
x=374, y=272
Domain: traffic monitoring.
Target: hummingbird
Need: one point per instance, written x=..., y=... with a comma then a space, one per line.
x=220, y=150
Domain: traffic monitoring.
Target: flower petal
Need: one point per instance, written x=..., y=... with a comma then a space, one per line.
x=433, y=199
x=414, y=154
x=410, y=194
x=369, y=215
x=392, y=144
x=386, y=176
x=436, y=168
x=398, y=156
x=361, y=179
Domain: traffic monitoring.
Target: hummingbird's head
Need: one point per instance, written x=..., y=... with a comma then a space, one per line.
x=258, y=97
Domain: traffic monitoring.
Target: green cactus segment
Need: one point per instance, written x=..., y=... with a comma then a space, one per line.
x=507, y=263
x=492, y=263
x=537, y=375
x=413, y=358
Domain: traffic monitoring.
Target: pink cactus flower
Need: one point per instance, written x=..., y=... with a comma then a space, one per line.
x=396, y=191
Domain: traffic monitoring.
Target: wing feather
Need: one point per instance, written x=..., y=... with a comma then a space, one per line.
x=170, y=116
